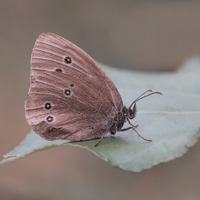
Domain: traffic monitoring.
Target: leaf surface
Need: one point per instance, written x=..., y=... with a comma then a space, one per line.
x=172, y=121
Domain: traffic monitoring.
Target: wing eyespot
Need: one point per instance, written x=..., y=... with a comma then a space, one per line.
x=67, y=92
x=58, y=70
x=50, y=118
x=72, y=85
x=48, y=105
x=68, y=60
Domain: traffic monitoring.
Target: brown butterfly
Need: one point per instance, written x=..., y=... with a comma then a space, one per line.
x=71, y=96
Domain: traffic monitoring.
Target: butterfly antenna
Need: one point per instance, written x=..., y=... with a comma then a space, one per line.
x=144, y=96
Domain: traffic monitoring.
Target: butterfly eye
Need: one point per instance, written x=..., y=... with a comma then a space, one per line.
x=48, y=105
x=58, y=70
x=67, y=92
x=49, y=118
x=68, y=60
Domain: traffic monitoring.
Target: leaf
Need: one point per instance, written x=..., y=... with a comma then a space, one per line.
x=172, y=121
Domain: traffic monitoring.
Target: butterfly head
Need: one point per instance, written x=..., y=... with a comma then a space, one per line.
x=130, y=113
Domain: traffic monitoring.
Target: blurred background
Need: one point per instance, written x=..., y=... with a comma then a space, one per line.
x=142, y=35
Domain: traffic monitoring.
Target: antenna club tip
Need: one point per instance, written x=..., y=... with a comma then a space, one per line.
x=158, y=93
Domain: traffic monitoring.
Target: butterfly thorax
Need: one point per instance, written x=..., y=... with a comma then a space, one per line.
x=119, y=120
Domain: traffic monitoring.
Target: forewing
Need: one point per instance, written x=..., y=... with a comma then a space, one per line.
x=71, y=97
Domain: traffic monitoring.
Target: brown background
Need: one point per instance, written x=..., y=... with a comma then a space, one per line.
x=145, y=35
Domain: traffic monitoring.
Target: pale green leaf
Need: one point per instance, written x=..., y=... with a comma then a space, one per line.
x=172, y=121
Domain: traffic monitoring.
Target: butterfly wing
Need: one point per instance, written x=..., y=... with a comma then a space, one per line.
x=71, y=96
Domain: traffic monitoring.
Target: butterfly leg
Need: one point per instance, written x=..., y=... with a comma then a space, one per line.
x=137, y=132
x=100, y=139
x=126, y=129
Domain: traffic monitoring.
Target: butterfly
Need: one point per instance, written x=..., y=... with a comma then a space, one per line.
x=72, y=98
